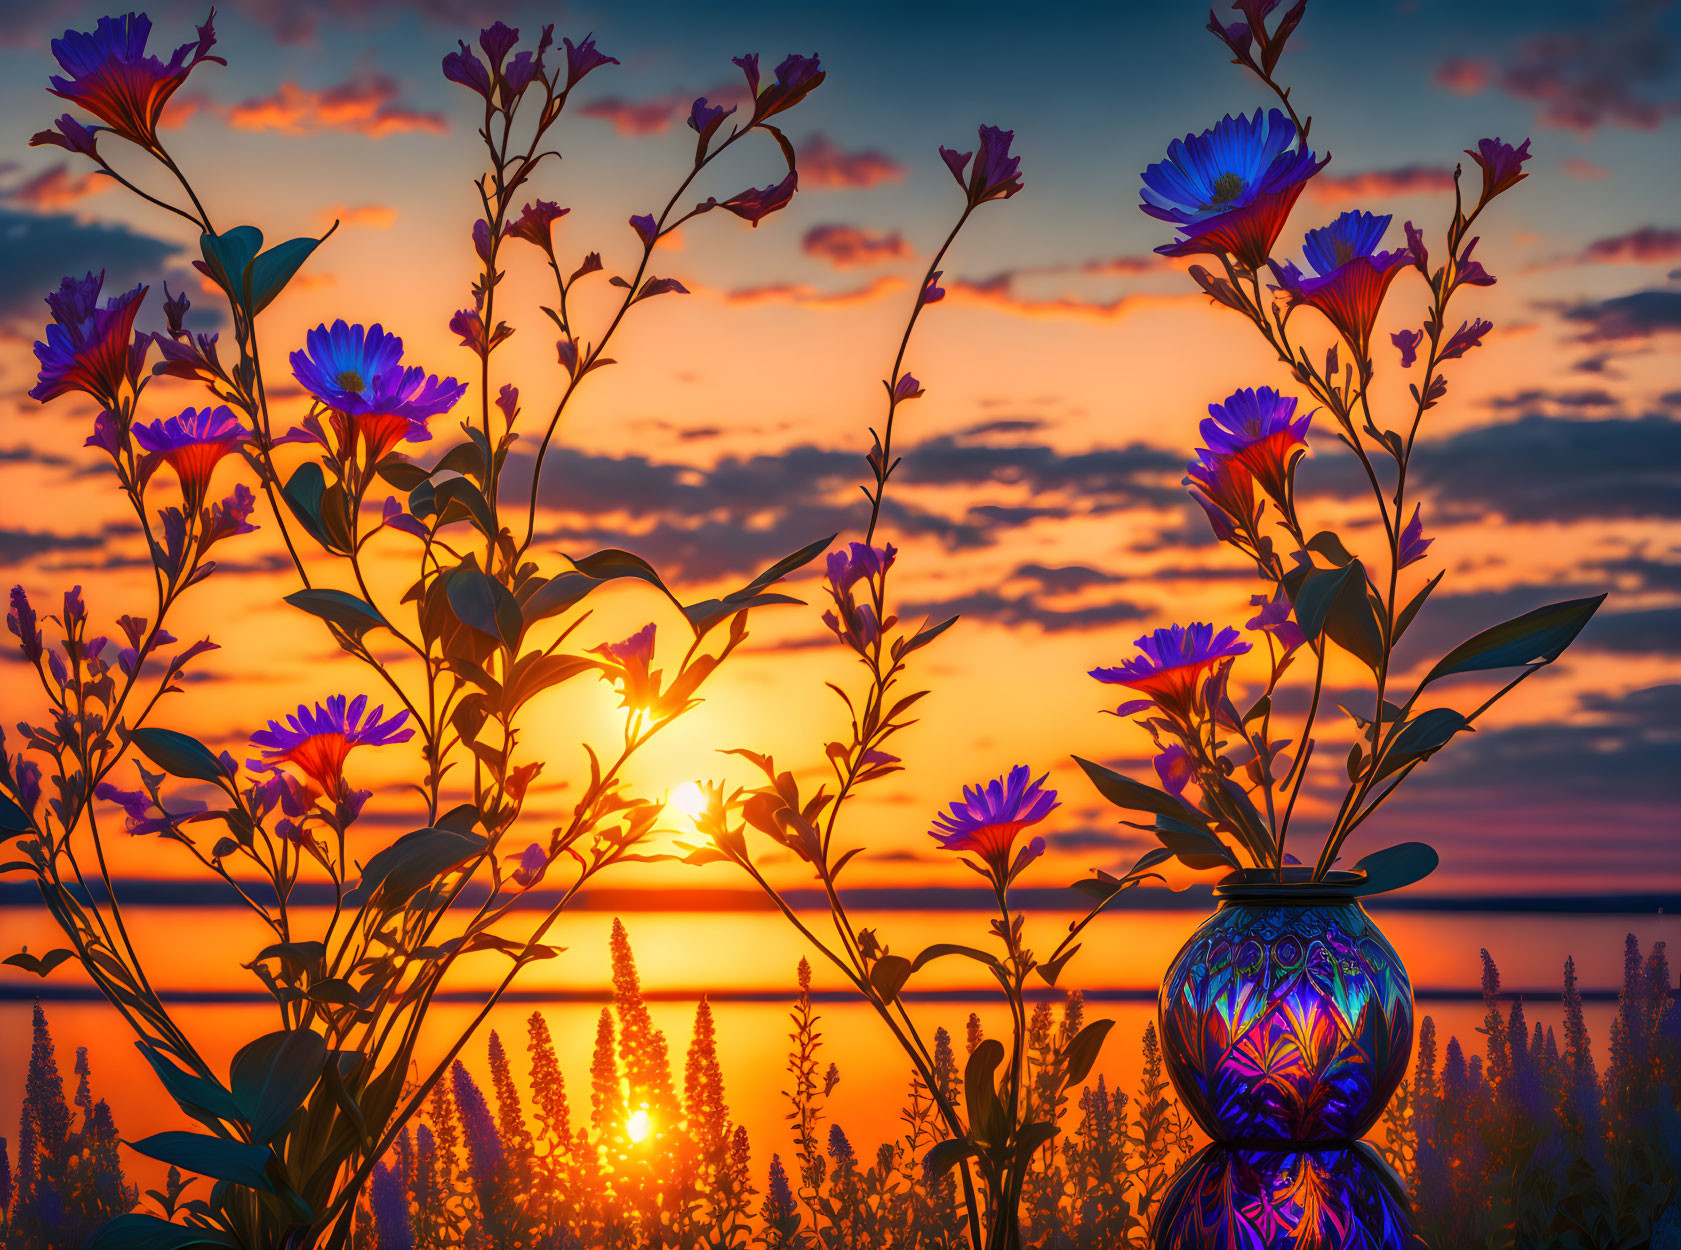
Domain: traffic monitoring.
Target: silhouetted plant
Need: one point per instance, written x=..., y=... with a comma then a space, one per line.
x=293, y=1132
x=69, y=1179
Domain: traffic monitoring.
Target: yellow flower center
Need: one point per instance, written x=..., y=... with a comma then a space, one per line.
x=351, y=381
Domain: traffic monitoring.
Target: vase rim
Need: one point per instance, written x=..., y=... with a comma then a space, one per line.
x=1298, y=888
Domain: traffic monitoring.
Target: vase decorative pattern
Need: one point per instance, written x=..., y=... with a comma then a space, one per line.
x=1287, y=1019
x=1330, y=1198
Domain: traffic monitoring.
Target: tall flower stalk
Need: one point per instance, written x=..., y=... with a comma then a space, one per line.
x=307, y=1115
x=1229, y=786
x=993, y=1121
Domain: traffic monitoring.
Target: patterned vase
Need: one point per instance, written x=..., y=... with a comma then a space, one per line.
x=1287, y=1019
x=1328, y=1198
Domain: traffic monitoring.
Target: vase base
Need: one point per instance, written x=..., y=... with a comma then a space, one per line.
x=1336, y=1197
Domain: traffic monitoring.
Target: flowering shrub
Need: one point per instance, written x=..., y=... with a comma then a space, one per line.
x=1228, y=788
x=298, y=1126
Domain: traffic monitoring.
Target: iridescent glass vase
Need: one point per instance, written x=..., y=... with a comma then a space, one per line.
x=1287, y=1019
x=1328, y=1198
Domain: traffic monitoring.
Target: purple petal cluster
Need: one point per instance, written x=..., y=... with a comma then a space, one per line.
x=504, y=79
x=1352, y=275
x=1171, y=665
x=318, y=739
x=756, y=203
x=110, y=75
x=90, y=348
x=484, y=1143
x=358, y=373
x=988, y=819
x=192, y=443
x=996, y=174
x=1501, y=163
x=1230, y=189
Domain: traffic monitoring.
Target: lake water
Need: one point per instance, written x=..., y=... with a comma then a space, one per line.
x=746, y=963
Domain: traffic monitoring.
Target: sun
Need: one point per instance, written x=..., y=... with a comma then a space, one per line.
x=689, y=799
x=639, y=1125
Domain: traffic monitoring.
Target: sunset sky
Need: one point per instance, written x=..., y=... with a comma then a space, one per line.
x=1066, y=372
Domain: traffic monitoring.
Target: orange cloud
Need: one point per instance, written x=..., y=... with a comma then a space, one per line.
x=373, y=216
x=1464, y=75
x=657, y=114
x=1587, y=171
x=366, y=105
x=805, y=294
x=1380, y=183
x=55, y=188
x=848, y=247
x=999, y=292
x=822, y=164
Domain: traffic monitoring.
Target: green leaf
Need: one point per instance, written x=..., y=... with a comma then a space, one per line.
x=1537, y=637
x=135, y=1231
x=273, y=269
x=395, y=874
x=889, y=974
x=1405, y=617
x=480, y=601
x=1420, y=738
x=179, y=755
x=229, y=255
x=1135, y=796
x=1327, y=544
x=613, y=563
x=297, y=958
x=1333, y=602
x=349, y=613
x=985, y=1114
x=941, y=949
x=303, y=493
x=1082, y=1052
x=554, y=596
x=13, y=819
x=271, y=1077
x=1396, y=867
x=776, y=572
x=334, y=990
x=200, y=1098
x=946, y=1155
x=237, y=1162
x=461, y=490
x=1195, y=848
x=40, y=967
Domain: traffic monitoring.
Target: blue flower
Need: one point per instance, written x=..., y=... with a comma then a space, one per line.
x=1172, y=663
x=358, y=374
x=989, y=818
x=1353, y=275
x=1230, y=189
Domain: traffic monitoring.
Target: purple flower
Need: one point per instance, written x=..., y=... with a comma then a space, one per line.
x=1255, y=432
x=231, y=516
x=69, y=134
x=1413, y=543
x=535, y=224
x=859, y=561
x=111, y=76
x=755, y=204
x=482, y=242
x=1275, y=618
x=1226, y=491
x=996, y=173
x=484, y=1145
x=391, y=1210
x=1175, y=768
x=1468, y=272
x=395, y=518
x=497, y=40
x=1353, y=275
x=629, y=662
x=647, y=229
x=1501, y=163
x=358, y=374
x=933, y=292
x=1469, y=335
x=1407, y=341
x=908, y=388
x=1172, y=664
x=191, y=444
x=507, y=400
x=989, y=818
x=89, y=348
x=21, y=621
x=582, y=59
x=704, y=118
x=1230, y=189
x=318, y=740
x=465, y=68
x=796, y=78
x=530, y=866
